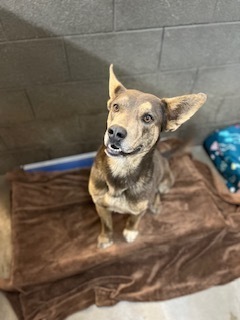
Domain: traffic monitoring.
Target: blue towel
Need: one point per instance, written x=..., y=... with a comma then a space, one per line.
x=223, y=147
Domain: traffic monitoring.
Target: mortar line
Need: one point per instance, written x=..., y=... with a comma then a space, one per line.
x=161, y=50
x=219, y=107
x=4, y=144
x=215, y=8
x=114, y=16
x=4, y=33
x=30, y=103
x=102, y=79
x=194, y=80
x=145, y=29
x=67, y=60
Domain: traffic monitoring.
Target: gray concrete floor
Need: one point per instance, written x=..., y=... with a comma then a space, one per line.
x=217, y=303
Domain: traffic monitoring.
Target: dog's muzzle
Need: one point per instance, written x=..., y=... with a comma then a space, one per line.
x=116, y=135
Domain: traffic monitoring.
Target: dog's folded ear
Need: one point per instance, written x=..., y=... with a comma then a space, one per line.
x=115, y=86
x=180, y=109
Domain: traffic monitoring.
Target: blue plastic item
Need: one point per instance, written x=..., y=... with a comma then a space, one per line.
x=223, y=147
x=67, y=163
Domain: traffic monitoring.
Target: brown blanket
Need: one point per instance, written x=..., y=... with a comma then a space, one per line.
x=57, y=269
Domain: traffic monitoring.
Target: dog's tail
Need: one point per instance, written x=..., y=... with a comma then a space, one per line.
x=174, y=147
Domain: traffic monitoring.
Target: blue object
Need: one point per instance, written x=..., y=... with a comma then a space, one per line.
x=223, y=147
x=67, y=163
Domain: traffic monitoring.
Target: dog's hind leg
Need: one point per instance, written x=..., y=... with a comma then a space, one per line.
x=130, y=232
x=105, y=238
x=156, y=206
x=167, y=179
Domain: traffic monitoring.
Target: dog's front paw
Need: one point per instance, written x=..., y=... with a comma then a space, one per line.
x=104, y=241
x=130, y=235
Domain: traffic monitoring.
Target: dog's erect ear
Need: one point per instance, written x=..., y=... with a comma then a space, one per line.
x=180, y=109
x=115, y=86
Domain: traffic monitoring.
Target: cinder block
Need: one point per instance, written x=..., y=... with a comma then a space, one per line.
x=24, y=19
x=14, y=107
x=30, y=155
x=2, y=35
x=139, y=14
x=92, y=146
x=133, y=52
x=176, y=83
x=196, y=133
x=93, y=127
x=229, y=110
x=199, y=46
x=7, y=162
x=59, y=131
x=32, y=62
x=221, y=81
x=2, y=145
x=163, y=84
x=207, y=113
x=57, y=151
x=69, y=98
x=27, y=134
x=146, y=83
x=226, y=11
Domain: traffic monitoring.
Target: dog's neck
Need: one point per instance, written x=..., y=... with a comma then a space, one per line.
x=121, y=167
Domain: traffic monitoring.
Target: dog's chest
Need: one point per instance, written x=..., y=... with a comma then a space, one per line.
x=128, y=192
x=123, y=200
x=123, y=204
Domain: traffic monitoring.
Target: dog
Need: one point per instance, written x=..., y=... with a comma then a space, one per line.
x=129, y=173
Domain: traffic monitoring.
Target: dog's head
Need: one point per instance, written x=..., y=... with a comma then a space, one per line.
x=136, y=118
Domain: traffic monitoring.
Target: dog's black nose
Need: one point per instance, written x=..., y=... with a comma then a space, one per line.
x=117, y=133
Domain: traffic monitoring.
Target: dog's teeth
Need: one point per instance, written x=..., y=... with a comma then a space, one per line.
x=112, y=146
x=130, y=235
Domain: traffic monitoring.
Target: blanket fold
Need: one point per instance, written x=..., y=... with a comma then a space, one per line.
x=57, y=269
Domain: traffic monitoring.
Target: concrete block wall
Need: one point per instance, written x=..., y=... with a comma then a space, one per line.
x=54, y=58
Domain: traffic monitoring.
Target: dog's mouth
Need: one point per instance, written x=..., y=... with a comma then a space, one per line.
x=114, y=151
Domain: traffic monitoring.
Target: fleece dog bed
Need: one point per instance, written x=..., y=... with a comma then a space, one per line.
x=223, y=147
x=57, y=269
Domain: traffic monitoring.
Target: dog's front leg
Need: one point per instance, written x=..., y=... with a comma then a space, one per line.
x=105, y=238
x=130, y=232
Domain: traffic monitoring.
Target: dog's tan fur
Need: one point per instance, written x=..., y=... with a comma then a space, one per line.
x=129, y=173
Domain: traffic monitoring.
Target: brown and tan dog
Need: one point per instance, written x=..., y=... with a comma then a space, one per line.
x=129, y=173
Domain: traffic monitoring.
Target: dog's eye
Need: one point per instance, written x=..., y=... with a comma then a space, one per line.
x=115, y=107
x=147, y=118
